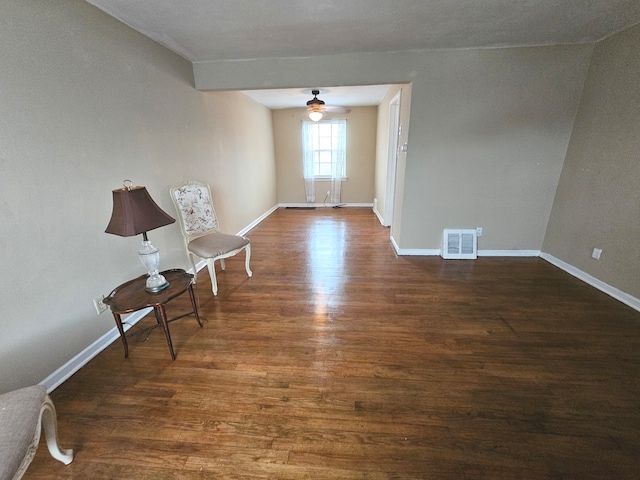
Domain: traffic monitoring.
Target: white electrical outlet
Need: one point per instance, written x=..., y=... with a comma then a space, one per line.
x=328, y=192
x=479, y=231
x=596, y=253
x=99, y=304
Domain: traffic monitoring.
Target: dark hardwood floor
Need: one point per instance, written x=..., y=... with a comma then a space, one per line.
x=340, y=360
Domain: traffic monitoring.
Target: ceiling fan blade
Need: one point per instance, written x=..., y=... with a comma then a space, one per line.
x=336, y=109
x=317, y=105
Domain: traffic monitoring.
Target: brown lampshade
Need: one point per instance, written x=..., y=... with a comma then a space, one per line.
x=135, y=212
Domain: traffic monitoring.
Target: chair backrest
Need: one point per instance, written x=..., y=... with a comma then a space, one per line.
x=195, y=208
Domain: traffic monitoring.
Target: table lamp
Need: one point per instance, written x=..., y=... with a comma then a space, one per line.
x=135, y=212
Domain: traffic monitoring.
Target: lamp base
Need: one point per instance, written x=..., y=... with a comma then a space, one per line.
x=156, y=289
x=156, y=283
x=150, y=258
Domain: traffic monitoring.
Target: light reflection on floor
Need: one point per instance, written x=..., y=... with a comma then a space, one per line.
x=326, y=250
x=327, y=277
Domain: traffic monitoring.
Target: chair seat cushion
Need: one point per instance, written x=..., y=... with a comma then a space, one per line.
x=19, y=417
x=216, y=244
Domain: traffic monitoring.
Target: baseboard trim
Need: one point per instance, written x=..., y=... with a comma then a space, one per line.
x=54, y=380
x=418, y=251
x=380, y=219
x=508, y=253
x=413, y=251
x=394, y=244
x=481, y=253
x=324, y=205
x=253, y=224
x=619, y=295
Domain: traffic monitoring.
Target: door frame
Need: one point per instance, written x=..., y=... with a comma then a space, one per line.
x=392, y=158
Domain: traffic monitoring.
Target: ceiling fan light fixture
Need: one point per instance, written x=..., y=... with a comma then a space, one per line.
x=315, y=102
x=317, y=107
x=315, y=116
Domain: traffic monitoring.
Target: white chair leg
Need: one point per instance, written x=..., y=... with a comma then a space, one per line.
x=212, y=274
x=193, y=263
x=50, y=427
x=247, y=259
x=222, y=265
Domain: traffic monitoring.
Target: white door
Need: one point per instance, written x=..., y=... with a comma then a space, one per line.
x=394, y=134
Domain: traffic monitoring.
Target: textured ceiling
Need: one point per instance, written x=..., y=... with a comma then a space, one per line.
x=206, y=30
x=202, y=30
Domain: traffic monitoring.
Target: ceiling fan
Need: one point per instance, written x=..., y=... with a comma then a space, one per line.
x=317, y=107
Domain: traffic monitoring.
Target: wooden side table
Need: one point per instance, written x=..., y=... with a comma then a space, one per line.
x=132, y=296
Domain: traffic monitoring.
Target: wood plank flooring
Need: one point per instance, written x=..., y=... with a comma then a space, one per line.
x=340, y=360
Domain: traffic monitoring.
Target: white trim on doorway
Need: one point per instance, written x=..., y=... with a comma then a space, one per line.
x=392, y=158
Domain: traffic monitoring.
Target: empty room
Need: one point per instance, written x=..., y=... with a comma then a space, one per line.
x=450, y=290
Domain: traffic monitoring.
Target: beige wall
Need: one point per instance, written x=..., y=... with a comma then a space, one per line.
x=87, y=102
x=238, y=161
x=490, y=130
x=597, y=204
x=361, y=154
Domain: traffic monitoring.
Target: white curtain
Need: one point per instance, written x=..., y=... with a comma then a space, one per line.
x=339, y=160
x=307, y=162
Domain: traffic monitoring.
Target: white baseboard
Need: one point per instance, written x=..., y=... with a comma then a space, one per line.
x=76, y=363
x=323, y=205
x=413, y=251
x=419, y=251
x=508, y=253
x=619, y=295
x=481, y=253
x=303, y=205
x=257, y=220
x=380, y=219
x=394, y=244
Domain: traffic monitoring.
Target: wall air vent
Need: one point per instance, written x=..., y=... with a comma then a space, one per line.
x=459, y=243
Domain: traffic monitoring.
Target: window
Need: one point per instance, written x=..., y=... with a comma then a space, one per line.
x=324, y=148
